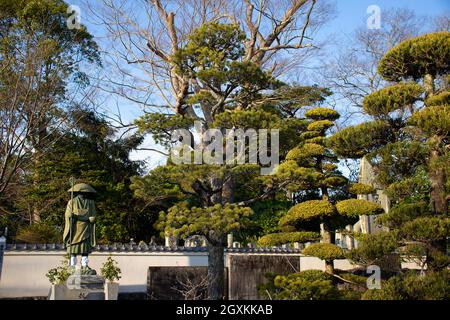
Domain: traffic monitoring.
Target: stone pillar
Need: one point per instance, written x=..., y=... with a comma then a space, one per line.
x=365, y=224
x=170, y=241
x=2, y=251
x=230, y=240
x=167, y=241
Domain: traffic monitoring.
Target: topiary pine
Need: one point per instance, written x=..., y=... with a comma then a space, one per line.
x=407, y=143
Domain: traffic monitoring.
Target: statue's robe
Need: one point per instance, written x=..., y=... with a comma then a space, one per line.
x=83, y=230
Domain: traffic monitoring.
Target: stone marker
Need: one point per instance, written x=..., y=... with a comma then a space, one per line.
x=230, y=240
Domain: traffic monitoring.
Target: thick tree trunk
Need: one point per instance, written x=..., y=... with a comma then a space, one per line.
x=437, y=178
x=326, y=235
x=438, y=197
x=228, y=191
x=216, y=273
x=437, y=257
x=439, y=205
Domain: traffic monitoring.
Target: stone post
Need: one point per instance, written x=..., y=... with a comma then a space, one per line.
x=170, y=240
x=167, y=241
x=230, y=240
x=365, y=224
x=2, y=251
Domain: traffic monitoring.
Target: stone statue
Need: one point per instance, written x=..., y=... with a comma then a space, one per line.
x=79, y=230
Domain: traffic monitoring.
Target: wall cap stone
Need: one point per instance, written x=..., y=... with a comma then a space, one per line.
x=125, y=247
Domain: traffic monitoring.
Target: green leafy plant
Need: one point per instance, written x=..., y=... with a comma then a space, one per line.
x=325, y=251
x=304, y=285
x=274, y=239
x=411, y=286
x=110, y=270
x=38, y=233
x=60, y=274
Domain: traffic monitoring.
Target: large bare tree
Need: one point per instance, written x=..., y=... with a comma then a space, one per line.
x=140, y=37
x=352, y=72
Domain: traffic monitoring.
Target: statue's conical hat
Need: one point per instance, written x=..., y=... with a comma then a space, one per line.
x=82, y=187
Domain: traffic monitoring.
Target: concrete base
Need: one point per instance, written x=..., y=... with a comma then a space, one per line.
x=79, y=287
x=111, y=290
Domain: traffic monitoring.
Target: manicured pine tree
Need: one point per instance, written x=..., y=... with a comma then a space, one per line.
x=224, y=88
x=226, y=92
x=311, y=168
x=407, y=142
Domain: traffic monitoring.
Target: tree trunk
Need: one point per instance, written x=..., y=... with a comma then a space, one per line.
x=428, y=84
x=326, y=234
x=437, y=259
x=38, y=145
x=437, y=178
x=439, y=205
x=329, y=267
x=216, y=273
x=35, y=212
x=228, y=191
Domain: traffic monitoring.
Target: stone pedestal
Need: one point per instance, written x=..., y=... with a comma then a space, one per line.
x=111, y=291
x=80, y=287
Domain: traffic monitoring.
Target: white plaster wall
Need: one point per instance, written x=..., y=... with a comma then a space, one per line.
x=23, y=273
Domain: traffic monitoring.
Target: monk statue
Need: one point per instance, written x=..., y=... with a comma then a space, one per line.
x=79, y=230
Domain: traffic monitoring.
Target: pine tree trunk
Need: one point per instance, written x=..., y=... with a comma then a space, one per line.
x=216, y=263
x=326, y=234
x=216, y=273
x=329, y=267
x=437, y=178
x=428, y=84
x=228, y=191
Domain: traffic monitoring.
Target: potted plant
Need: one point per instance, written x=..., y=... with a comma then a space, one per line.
x=57, y=277
x=111, y=272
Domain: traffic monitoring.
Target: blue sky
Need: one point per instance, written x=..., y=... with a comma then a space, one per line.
x=350, y=15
